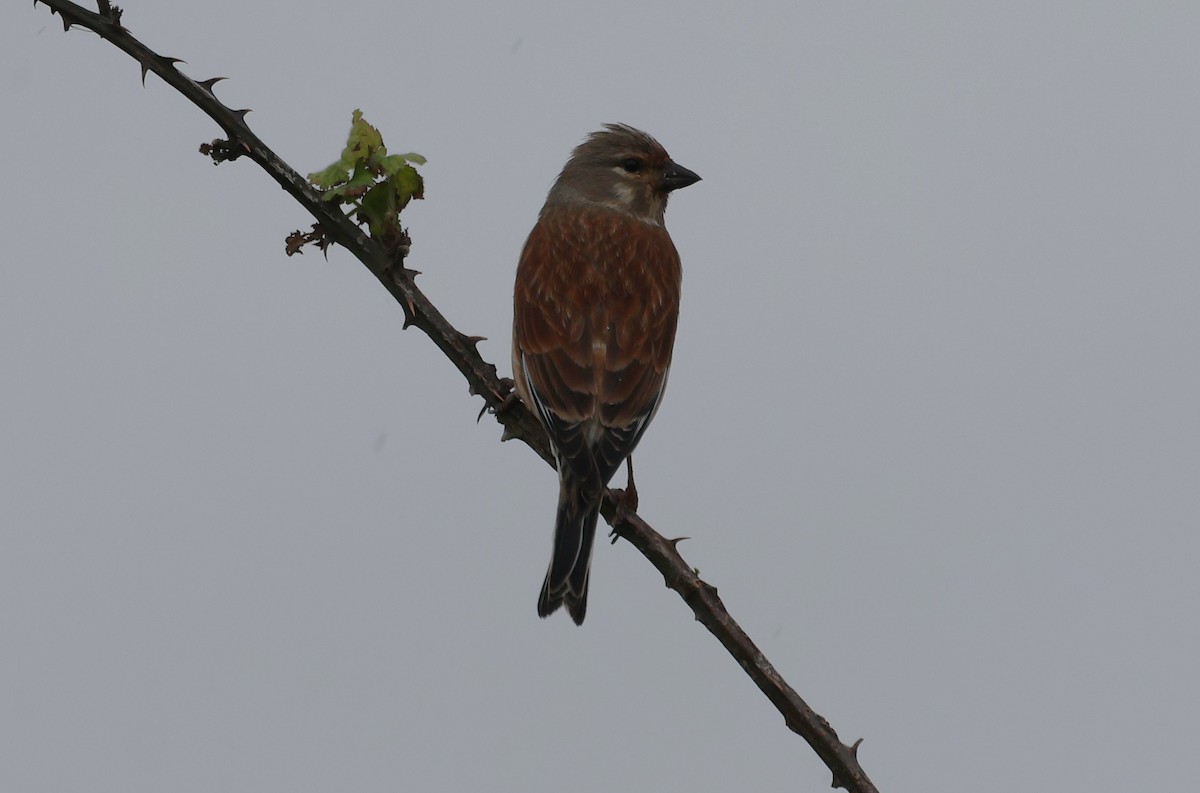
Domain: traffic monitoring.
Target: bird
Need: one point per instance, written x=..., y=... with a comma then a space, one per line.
x=595, y=308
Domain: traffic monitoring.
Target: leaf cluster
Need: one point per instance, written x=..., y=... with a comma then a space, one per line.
x=375, y=185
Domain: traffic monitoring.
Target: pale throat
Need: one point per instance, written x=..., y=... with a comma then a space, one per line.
x=625, y=199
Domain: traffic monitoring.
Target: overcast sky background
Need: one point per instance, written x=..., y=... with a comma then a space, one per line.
x=933, y=424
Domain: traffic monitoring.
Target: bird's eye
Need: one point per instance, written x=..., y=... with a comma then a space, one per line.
x=632, y=165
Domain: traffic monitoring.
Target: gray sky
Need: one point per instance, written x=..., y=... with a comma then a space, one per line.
x=932, y=423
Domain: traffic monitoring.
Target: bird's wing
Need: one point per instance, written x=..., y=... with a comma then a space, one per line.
x=637, y=364
x=552, y=346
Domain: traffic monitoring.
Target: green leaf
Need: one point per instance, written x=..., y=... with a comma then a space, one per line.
x=334, y=174
x=378, y=208
x=408, y=184
x=413, y=157
x=363, y=137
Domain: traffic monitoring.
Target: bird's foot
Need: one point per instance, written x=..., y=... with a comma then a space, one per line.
x=507, y=396
x=627, y=503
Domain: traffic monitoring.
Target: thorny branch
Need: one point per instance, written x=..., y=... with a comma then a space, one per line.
x=387, y=264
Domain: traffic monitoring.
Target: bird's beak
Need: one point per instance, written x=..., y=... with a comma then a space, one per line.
x=676, y=176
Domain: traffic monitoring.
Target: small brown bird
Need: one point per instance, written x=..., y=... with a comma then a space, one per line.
x=594, y=314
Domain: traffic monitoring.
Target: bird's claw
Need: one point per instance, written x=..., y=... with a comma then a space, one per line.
x=626, y=509
x=507, y=396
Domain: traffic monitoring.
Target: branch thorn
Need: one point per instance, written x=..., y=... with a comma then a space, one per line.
x=208, y=84
x=169, y=60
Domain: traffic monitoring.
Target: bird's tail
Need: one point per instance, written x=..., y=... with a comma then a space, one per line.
x=574, y=532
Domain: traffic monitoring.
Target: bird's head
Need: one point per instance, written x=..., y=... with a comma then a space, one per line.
x=623, y=169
